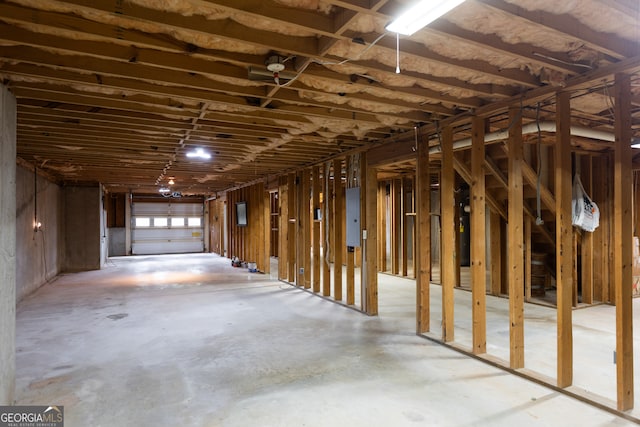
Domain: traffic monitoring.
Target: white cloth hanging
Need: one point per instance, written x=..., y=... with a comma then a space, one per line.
x=584, y=211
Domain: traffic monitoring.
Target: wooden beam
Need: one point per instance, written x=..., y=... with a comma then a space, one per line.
x=283, y=256
x=515, y=242
x=350, y=251
x=404, y=247
x=396, y=225
x=478, y=238
x=326, y=220
x=422, y=253
x=495, y=240
x=291, y=224
x=599, y=255
x=564, y=240
x=382, y=223
x=315, y=248
x=586, y=246
x=305, y=217
x=622, y=242
x=266, y=229
x=338, y=239
x=448, y=244
x=527, y=259
x=465, y=173
x=370, y=268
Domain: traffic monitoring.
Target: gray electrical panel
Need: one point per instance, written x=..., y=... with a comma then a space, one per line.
x=353, y=216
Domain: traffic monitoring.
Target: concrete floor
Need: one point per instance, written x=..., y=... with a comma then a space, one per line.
x=188, y=340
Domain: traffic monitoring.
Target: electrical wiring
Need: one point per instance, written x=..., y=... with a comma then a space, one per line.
x=317, y=61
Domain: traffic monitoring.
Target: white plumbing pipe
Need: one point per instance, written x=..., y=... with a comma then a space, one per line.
x=529, y=129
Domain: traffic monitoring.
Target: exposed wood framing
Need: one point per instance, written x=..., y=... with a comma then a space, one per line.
x=371, y=244
x=291, y=250
x=449, y=222
x=327, y=202
x=515, y=243
x=316, y=243
x=338, y=235
x=396, y=225
x=382, y=228
x=305, y=218
x=495, y=241
x=586, y=247
x=564, y=241
x=622, y=242
x=478, y=239
x=422, y=254
x=283, y=253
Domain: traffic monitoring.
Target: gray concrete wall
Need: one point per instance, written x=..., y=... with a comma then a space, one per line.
x=38, y=253
x=82, y=228
x=117, y=241
x=7, y=245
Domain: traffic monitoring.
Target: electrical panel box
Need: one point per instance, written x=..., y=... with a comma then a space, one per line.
x=353, y=216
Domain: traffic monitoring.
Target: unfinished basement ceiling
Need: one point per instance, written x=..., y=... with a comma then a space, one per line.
x=119, y=91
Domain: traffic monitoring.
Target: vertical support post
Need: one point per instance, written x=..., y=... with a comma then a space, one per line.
x=527, y=259
x=587, y=238
x=364, y=208
x=338, y=240
x=382, y=222
x=396, y=225
x=404, y=259
x=478, y=239
x=326, y=219
x=600, y=256
x=315, y=204
x=515, y=242
x=371, y=242
x=350, y=253
x=564, y=240
x=623, y=242
x=305, y=217
x=266, y=205
x=449, y=229
x=283, y=253
x=291, y=224
x=495, y=239
x=422, y=254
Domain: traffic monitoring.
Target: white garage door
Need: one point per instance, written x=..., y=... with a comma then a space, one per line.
x=167, y=228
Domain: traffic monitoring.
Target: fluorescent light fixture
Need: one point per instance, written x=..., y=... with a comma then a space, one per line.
x=164, y=190
x=421, y=15
x=635, y=143
x=199, y=153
